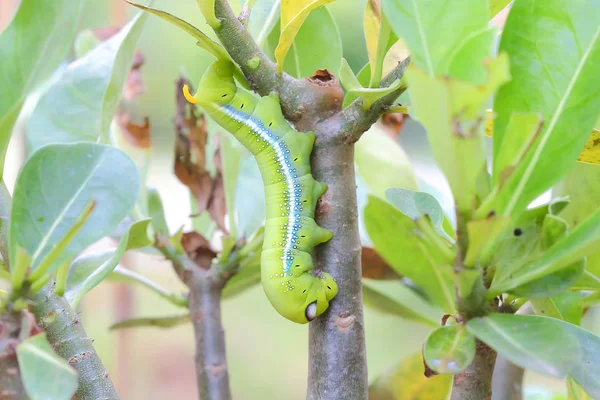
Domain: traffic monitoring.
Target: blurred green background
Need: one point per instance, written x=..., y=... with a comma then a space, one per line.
x=267, y=354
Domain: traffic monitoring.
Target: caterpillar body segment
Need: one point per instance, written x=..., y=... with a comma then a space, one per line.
x=294, y=288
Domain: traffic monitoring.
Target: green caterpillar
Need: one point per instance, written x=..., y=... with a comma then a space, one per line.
x=295, y=289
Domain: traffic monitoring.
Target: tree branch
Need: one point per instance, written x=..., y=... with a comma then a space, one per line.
x=507, y=381
x=354, y=120
x=206, y=279
x=300, y=98
x=11, y=386
x=475, y=382
x=337, y=354
x=68, y=338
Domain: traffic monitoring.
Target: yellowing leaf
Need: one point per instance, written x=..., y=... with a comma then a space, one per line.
x=293, y=14
x=207, y=7
x=379, y=38
x=406, y=381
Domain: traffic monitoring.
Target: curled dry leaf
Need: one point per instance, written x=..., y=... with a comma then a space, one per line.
x=137, y=135
x=393, y=123
x=375, y=267
x=190, y=159
x=134, y=86
x=198, y=249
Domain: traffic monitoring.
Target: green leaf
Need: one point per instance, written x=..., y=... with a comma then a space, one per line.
x=346, y=76
x=565, y=306
x=120, y=274
x=554, y=81
x=317, y=45
x=545, y=345
x=157, y=212
x=401, y=245
x=379, y=38
x=294, y=16
x=432, y=37
x=386, y=305
x=522, y=130
x=87, y=271
x=249, y=195
x=45, y=375
x=208, y=10
x=466, y=62
x=576, y=392
x=371, y=95
x=244, y=279
x=55, y=184
x=31, y=47
x=158, y=322
x=449, y=349
x=582, y=185
x=80, y=104
x=406, y=381
x=583, y=240
x=497, y=5
x=263, y=18
x=382, y=163
x=453, y=112
x=418, y=204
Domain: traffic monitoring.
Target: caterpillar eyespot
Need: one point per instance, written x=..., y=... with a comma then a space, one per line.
x=283, y=156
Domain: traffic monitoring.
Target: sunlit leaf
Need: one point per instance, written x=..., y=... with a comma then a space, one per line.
x=31, y=47
x=54, y=186
x=561, y=93
x=80, y=104
x=406, y=381
x=45, y=375
x=293, y=15
x=208, y=10
x=397, y=240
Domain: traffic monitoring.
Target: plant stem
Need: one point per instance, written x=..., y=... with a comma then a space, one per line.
x=68, y=338
x=337, y=353
x=11, y=386
x=5, y=205
x=206, y=283
x=205, y=311
x=475, y=382
x=507, y=382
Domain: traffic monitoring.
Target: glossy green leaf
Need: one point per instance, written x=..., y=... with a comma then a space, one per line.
x=87, y=271
x=294, y=16
x=582, y=240
x=452, y=112
x=45, y=375
x=399, y=242
x=157, y=213
x=432, y=37
x=379, y=38
x=31, y=47
x=317, y=45
x=382, y=163
x=554, y=81
x=449, y=349
x=418, y=204
x=480, y=233
x=80, y=104
x=406, y=381
x=120, y=274
x=54, y=186
x=157, y=322
x=386, y=305
x=545, y=345
x=371, y=95
x=565, y=306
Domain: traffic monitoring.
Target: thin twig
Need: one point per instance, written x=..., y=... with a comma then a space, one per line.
x=68, y=338
x=11, y=386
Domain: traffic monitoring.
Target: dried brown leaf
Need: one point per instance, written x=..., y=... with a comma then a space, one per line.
x=137, y=135
x=198, y=249
x=375, y=267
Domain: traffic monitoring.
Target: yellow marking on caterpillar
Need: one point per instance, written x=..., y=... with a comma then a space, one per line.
x=188, y=96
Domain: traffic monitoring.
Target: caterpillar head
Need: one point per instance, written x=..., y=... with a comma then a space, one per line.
x=217, y=86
